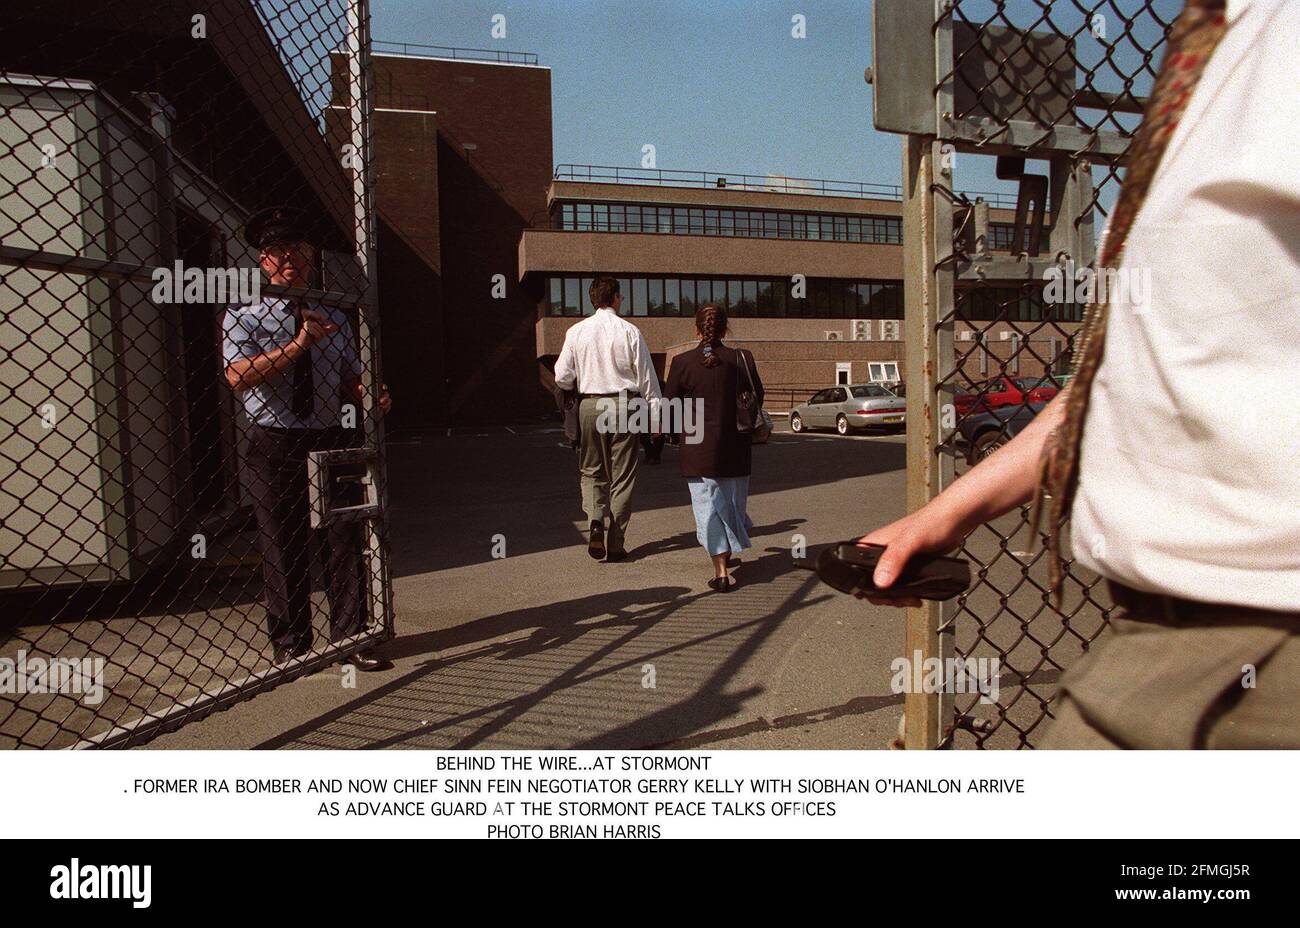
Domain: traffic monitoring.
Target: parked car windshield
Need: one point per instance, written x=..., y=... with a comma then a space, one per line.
x=868, y=390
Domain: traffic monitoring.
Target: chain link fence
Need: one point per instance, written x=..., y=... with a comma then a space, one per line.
x=1049, y=93
x=191, y=480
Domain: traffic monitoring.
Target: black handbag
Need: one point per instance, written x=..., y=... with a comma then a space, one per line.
x=750, y=418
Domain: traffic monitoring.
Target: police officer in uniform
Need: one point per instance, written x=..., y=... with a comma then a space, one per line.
x=295, y=368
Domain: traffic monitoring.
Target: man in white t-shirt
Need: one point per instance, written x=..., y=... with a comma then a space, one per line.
x=1188, y=471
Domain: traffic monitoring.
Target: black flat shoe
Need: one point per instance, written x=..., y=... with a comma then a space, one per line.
x=367, y=662
x=722, y=584
x=596, y=541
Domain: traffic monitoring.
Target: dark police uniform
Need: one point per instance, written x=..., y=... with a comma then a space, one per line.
x=293, y=413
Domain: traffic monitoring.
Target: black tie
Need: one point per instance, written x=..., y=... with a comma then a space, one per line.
x=303, y=388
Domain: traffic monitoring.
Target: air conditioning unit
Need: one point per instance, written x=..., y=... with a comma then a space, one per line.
x=835, y=336
x=966, y=336
x=861, y=330
x=890, y=330
x=1006, y=336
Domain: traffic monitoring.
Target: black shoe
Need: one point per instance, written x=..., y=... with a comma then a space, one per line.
x=722, y=584
x=596, y=541
x=615, y=554
x=368, y=662
x=285, y=654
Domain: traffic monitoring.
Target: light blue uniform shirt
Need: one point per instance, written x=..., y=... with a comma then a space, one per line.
x=267, y=324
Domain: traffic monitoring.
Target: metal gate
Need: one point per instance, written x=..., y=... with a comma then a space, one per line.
x=136, y=140
x=1053, y=90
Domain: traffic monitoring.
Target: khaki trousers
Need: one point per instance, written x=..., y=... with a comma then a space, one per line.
x=607, y=461
x=1222, y=678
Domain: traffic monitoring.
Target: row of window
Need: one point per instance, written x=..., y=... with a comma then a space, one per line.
x=731, y=223
x=815, y=297
x=1013, y=304
x=753, y=223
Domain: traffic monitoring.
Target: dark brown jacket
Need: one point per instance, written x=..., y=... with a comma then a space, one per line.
x=723, y=452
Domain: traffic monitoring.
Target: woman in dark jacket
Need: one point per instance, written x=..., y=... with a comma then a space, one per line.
x=717, y=467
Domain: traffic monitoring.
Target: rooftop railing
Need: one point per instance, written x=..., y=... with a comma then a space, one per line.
x=497, y=56
x=656, y=177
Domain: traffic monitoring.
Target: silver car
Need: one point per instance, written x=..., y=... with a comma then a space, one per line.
x=850, y=407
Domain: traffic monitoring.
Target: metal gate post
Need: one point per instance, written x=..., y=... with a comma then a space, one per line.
x=927, y=325
x=360, y=119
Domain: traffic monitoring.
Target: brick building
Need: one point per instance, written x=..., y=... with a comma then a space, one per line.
x=487, y=254
x=463, y=159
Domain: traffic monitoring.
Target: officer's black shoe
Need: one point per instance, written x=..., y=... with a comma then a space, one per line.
x=285, y=654
x=596, y=541
x=368, y=661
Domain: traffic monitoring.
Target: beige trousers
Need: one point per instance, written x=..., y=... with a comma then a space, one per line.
x=607, y=462
x=1227, y=679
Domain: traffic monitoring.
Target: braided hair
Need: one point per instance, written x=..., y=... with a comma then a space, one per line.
x=711, y=323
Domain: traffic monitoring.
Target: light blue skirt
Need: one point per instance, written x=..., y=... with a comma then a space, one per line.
x=721, y=523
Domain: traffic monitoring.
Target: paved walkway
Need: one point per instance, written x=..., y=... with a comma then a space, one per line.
x=545, y=648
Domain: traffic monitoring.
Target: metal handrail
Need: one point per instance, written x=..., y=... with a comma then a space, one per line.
x=659, y=177
x=500, y=56
x=728, y=181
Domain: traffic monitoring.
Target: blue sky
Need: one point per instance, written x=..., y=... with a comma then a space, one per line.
x=715, y=85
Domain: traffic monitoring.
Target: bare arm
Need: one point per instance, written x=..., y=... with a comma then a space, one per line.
x=996, y=485
x=257, y=370
x=247, y=373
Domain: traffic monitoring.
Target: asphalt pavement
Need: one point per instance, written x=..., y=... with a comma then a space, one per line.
x=545, y=648
x=510, y=636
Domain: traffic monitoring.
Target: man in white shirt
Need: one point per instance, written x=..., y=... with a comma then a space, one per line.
x=1188, y=469
x=605, y=358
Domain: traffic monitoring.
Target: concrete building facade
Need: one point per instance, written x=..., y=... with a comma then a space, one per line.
x=810, y=273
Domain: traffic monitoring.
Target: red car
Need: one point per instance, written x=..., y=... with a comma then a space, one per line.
x=1005, y=391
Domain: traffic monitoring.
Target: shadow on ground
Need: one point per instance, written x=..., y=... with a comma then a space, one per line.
x=661, y=665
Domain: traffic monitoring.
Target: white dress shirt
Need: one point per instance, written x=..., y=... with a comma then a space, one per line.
x=1190, y=464
x=607, y=354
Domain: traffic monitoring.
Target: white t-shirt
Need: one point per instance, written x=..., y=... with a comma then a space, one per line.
x=1190, y=465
